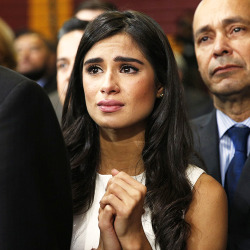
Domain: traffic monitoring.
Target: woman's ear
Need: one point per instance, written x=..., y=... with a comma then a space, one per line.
x=159, y=93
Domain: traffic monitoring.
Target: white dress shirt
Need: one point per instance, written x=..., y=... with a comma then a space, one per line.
x=226, y=147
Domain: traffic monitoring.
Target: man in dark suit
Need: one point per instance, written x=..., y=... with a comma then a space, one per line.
x=222, y=44
x=35, y=192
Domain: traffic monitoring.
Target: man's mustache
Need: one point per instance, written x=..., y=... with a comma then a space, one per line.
x=224, y=62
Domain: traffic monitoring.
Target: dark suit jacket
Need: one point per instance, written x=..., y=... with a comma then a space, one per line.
x=207, y=144
x=35, y=191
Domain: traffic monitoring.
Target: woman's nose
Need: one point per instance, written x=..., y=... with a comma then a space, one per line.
x=110, y=84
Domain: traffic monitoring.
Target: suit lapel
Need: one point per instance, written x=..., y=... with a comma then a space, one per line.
x=239, y=219
x=209, y=146
x=242, y=193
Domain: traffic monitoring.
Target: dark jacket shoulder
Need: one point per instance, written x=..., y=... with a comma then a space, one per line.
x=10, y=79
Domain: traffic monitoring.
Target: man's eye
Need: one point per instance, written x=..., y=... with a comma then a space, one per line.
x=35, y=48
x=237, y=29
x=94, y=69
x=204, y=39
x=128, y=69
x=62, y=66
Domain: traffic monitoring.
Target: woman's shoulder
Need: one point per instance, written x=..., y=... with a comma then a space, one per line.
x=193, y=173
x=208, y=195
x=208, y=207
x=207, y=186
x=204, y=185
x=201, y=181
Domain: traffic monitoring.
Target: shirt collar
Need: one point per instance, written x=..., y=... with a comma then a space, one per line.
x=42, y=82
x=225, y=122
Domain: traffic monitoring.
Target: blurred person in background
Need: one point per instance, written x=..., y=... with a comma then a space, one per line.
x=69, y=37
x=68, y=40
x=36, y=58
x=197, y=101
x=88, y=10
x=197, y=97
x=7, y=50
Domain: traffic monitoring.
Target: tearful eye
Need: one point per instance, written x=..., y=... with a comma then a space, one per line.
x=128, y=69
x=94, y=69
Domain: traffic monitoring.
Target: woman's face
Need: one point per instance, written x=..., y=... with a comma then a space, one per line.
x=118, y=83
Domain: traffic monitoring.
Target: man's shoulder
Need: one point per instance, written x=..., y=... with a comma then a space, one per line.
x=203, y=120
x=11, y=80
x=7, y=75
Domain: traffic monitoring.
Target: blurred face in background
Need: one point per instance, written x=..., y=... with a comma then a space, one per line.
x=88, y=14
x=66, y=52
x=32, y=56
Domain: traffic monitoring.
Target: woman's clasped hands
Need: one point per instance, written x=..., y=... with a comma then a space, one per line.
x=121, y=209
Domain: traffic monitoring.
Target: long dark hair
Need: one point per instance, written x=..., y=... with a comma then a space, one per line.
x=168, y=138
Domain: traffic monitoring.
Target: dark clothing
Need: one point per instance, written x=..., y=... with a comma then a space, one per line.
x=35, y=191
x=51, y=84
x=207, y=144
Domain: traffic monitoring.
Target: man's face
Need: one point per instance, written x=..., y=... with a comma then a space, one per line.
x=66, y=53
x=222, y=44
x=88, y=14
x=32, y=55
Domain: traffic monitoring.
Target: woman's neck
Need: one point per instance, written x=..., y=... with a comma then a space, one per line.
x=121, y=150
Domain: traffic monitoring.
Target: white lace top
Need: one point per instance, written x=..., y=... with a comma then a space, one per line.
x=86, y=232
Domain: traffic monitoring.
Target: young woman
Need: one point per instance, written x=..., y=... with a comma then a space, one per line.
x=130, y=145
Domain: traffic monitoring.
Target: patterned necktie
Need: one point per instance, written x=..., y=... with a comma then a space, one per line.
x=239, y=136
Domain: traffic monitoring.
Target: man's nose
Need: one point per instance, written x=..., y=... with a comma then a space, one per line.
x=221, y=45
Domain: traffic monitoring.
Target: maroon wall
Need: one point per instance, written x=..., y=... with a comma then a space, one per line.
x=14, y=13
x=165, y=12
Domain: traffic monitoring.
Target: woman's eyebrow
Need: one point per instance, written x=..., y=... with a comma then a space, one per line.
x=116, y=59
x=93, y=60
x=127, y=59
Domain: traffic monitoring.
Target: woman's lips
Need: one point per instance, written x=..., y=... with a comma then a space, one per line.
x=109, y=106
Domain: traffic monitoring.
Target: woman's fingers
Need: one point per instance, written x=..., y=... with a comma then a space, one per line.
x=131, y=186
x=126, y=196
x=122, y=196
x=106, y=217
x=114, y=172
x=108, y=237
x=126, y=178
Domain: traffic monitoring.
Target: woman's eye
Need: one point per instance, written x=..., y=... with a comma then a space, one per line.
x=94, y=69
x=128, y=69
